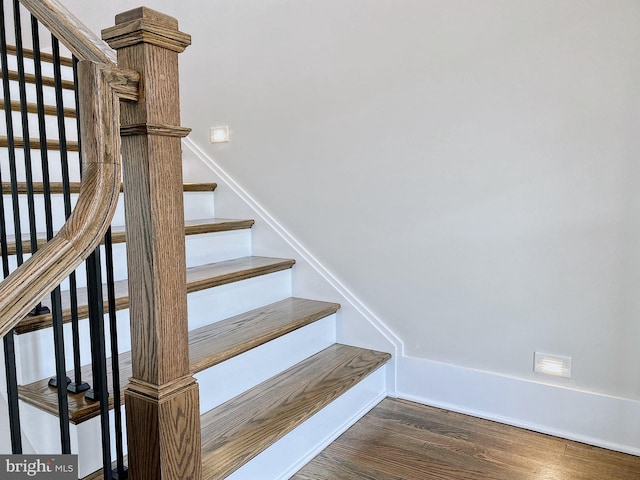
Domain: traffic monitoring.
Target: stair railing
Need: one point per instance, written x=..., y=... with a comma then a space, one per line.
x=101, y=87
x=98, y=85
x=163, y=427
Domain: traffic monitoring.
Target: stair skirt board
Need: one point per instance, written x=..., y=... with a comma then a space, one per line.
x=33, y=350
x=289, y=454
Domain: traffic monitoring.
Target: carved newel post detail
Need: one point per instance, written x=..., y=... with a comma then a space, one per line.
x=162, y=400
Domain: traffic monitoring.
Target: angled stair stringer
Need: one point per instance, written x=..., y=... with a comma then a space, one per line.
x=357, y=324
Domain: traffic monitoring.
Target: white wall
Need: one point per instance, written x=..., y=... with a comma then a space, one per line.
x=468, y=168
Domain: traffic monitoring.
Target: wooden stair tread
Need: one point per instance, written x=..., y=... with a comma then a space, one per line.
x=34, y=143
x=74, y=187
x=45, y=57
x=238, y=430
x=192, y=227
x=198, y=278
x=46, y=81
x=33, y=108
x=208, y=346
x=225, y=339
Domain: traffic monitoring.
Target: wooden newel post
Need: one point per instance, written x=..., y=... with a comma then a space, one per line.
x=162, y=400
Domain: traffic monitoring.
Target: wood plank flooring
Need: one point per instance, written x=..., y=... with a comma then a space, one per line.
x=404, y=440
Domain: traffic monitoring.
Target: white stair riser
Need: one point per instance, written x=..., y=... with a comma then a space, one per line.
x=47, y=68
x=285, y=457
x=238, y=374
x=197, y=205
x=51, y=128
x=217, y=247
x=35, y=356
x=215, y=304
x=90, y=448
x=85, y=438
x=34, y=350
x=57, y=208
x=55, y=169
x=49, y=94
x=200, y=249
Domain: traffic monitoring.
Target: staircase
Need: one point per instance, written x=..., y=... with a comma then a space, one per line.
x=274, y=386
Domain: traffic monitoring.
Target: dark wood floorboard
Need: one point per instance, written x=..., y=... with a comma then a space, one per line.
x=404, y=440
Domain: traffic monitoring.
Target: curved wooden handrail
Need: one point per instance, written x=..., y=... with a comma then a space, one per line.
x=81, y=41
x=101, y=86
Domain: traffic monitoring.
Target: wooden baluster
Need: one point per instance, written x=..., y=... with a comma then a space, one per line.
x=162, y=400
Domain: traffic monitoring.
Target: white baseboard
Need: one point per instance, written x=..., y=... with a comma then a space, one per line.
x=587, y=417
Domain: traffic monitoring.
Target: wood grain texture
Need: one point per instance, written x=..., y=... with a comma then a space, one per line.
x=199, y=187
x=238, y=430
x=220, y=341
x=163, y=428
x=46, y=81
x=101, y=86
x=143, y=25
x=95, y=206
x=33, y=108
x=169, y=424
x=34, y=144
x=56, y=187
x=45, y=57
x=118, y=234
x=208, y=346
x=73, y=34
x=198, y=278
x=400, y=439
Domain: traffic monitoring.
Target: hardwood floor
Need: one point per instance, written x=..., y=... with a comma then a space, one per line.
x=400, y=440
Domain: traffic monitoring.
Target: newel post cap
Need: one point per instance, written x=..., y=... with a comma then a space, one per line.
x=144, y=25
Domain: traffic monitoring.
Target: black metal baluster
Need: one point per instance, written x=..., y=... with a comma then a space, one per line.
x=78, y=385
x=77, y=99
x=11, y=150
x=120, y=472
x=9, y=345
x=100, y=391
x=26, y=140
x=56, y=311
x=8, y=340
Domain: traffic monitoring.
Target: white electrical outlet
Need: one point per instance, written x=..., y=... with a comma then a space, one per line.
x=548, y=364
